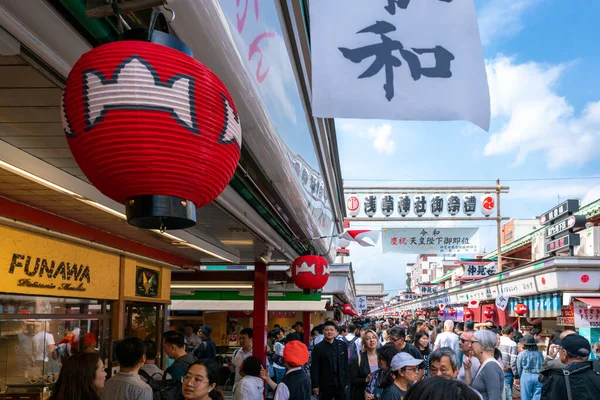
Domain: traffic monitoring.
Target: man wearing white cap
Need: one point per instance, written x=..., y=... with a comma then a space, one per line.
x=405, y=370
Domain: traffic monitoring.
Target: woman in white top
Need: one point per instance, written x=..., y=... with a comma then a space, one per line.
x=251, y=386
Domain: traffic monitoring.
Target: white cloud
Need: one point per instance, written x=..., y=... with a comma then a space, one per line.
x=591, y=195
x=502, y=18
x=381, y=137
x=538, y=119
x=380, y=134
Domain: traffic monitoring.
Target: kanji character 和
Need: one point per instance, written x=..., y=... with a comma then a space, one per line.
x=384, y=58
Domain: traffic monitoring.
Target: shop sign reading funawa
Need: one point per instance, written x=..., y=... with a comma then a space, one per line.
x=398, y=59
x=430, y=240
x=38, y=265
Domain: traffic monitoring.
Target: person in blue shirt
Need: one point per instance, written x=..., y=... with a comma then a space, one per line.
x=529, y=366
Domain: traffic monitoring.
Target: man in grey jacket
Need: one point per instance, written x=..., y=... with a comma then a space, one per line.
x=127, y=384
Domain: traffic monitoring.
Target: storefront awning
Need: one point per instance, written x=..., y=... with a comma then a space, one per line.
x=538, y=306
x=590, y=301
x=246, y=305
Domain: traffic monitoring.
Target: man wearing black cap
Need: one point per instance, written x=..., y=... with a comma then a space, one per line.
x=208, y=348
x=580, y=379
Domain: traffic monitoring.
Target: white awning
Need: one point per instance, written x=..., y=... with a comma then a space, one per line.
x=246, y=305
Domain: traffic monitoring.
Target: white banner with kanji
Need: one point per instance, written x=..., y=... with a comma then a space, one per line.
x=398, y=59
x=430, y=240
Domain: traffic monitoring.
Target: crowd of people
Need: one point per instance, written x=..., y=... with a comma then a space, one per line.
x=395, y=359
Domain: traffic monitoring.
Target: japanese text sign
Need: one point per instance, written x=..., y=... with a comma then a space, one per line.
x=586, y=317
x=398, y=59
x=479, y=270
x=569, y=206
x=430, y=240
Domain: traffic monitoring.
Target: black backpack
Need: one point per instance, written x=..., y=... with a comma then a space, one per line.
x=164, y=389
x=352, y=350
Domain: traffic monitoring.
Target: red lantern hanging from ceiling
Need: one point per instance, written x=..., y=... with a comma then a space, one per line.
x=441, y=313
x=520, y=309
x=310, y=273
x=347, y=309
x=488, y=312
x=152, y=128
x=452, y=312
x=468, y=314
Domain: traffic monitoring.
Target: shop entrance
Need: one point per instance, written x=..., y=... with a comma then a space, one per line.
x=38, y=333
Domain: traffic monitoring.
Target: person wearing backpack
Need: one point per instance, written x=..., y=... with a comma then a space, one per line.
x=278, y=368
x=351, y=340
x=207, y=350
x=579, y=379
x=149, y=370
x=174, y=346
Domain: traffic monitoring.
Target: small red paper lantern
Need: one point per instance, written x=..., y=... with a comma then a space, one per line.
x=347, y=309
x=441, y=313
x=310, y=273
x=468, y=314
x=152, y=128
x=452, y=312
x=520, y=309
x=488, y=312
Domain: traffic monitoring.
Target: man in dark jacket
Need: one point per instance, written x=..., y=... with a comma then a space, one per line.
x=329, y=366
x=397, y=337
x=208, y=348
x=580, y=379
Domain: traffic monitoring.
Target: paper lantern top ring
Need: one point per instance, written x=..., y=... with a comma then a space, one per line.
x=151, y=128
x=310, y=272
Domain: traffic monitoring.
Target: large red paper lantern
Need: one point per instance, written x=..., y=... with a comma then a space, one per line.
x=441, y=313
x=310, y=273
x=488, y=312
x=452, y=311
x=152, y=128
x=520, y=309
x=469, y=314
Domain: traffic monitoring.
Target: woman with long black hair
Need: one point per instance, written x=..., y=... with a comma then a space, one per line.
x=422, y=343
x=382, y=376
x=82, y=377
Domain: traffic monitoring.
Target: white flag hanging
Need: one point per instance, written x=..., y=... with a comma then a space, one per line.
x=398, y=59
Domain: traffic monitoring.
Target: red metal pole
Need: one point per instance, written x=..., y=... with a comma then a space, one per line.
x=306, y=318
x=259, y=339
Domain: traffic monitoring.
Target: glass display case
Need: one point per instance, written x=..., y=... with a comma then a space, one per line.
x=38, y=333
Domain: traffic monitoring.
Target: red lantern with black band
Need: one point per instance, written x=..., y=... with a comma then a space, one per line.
x=152, y=128
x=310, y=272
x=520, y=309
x=469, y=314
x=488, y=312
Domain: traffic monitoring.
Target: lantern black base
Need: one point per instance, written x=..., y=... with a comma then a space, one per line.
x=310, y=291
x=160, y=212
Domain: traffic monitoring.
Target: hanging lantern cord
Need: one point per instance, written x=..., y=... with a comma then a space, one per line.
x=120, y=20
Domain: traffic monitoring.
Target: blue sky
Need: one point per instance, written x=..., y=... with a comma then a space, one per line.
x=543, y=63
